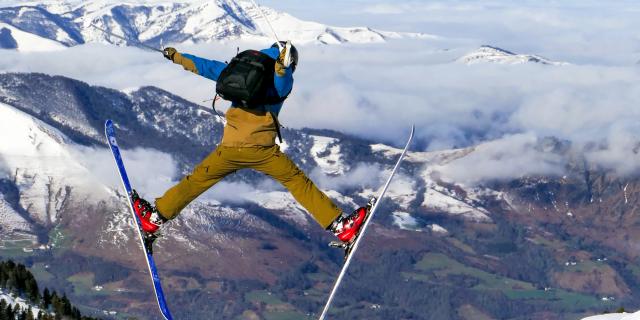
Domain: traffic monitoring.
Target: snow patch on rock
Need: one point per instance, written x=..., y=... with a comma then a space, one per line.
x=402, y=190
x=436, y=199
x=435, y=228
x=326, y=153
x=405, y=221
x=496, y=55
x=285, y=203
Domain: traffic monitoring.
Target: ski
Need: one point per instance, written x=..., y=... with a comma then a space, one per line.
x=145, y=240
x=351, y=248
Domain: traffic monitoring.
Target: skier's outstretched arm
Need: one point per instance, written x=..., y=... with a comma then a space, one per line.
x=283, y=77
x=283, y=80
x=209, y=69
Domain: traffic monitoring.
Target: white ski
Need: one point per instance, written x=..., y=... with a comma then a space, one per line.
x=354, y=247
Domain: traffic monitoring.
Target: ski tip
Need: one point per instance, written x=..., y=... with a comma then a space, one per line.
x=108, y=123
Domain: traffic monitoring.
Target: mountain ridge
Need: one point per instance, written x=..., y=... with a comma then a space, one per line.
x=493, y=54
x=181, y=22
x=507, y=239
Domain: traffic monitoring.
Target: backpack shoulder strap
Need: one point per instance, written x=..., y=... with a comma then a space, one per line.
x=277, y=123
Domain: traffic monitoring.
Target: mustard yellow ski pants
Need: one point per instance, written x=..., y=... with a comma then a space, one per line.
x=268, y=160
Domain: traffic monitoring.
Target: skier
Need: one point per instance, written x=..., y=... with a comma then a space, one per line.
x=249, y=142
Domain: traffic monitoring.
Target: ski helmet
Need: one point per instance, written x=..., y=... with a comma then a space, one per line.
x=294, y=54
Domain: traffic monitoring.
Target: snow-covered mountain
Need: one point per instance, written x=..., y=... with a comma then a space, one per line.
x=69, y=23
x=489, y=54
x=248, y=239
x=14, y=38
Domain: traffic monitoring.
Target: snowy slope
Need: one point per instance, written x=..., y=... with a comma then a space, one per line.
x=183, y=22
x=43, y=164
x=326, y=153
x=13, y=226
x=439, y=196
x=13, y=302
x=405, y=221
x=38, y=159
x=256, y=230
x=14, y=38
x=489, y=54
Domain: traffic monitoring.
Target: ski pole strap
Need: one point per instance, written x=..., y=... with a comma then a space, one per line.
x=277, y=123
x=213, y=106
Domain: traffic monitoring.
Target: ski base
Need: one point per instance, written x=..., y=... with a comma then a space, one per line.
x=146, y=240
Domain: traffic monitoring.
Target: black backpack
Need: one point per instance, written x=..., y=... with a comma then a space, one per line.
x=247, y=80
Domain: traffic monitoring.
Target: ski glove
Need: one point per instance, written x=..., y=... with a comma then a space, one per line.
x=284, y=60
x=169, y=53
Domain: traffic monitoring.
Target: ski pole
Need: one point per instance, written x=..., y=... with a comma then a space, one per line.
x=136, y=42
x=264, y=16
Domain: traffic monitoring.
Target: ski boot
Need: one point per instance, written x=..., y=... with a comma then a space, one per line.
x=149, y=218
x=348, y=228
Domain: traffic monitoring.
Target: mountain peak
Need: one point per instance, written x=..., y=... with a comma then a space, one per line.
x=178, y=22
x=487, y=53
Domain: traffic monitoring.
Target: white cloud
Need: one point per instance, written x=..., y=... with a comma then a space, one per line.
x=238, y=192
x=513, y=156
x=620, y=150
x=4, y=169
x=151, y=172
x=384, y=9
x=377, y=91
x=365, y=175
x=230, y=192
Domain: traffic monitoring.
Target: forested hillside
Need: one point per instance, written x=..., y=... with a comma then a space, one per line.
x=21, y=299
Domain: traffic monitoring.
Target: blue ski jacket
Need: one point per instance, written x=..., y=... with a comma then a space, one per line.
x=211, y=69
x=245, y=127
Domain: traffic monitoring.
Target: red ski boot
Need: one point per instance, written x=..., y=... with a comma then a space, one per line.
x=150, y=219
x=347, y=228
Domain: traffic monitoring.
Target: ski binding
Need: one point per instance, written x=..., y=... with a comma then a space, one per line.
x=348, y=246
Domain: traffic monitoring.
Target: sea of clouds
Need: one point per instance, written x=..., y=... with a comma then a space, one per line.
x=377, y=91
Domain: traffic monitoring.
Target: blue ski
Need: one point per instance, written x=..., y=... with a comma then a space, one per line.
x=145, y=241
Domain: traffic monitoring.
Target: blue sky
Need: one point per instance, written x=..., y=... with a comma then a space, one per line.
x=583, y=31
